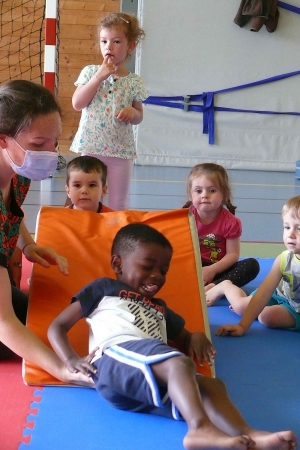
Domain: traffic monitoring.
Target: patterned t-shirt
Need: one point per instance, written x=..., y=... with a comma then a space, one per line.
x=11, y=218
x=289, y=285
x=99, y=130
x=213, y=236
x=117, y=314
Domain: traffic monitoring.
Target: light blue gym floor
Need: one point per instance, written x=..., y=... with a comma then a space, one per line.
x=258, y=195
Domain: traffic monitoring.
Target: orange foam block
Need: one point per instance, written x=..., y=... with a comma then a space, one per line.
x=85, y=238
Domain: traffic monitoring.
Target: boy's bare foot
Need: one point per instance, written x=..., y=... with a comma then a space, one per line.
x=282, y=440
x=212, y=439
x=213, y=292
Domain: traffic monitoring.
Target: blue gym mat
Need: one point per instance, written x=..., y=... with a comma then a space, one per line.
x=259, y=369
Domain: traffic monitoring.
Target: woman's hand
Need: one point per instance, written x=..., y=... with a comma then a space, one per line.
x=45, y=256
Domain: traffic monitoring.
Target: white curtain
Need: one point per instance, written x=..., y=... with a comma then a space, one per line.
x=193, y=46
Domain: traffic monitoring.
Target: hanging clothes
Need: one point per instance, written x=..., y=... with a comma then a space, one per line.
x=260, y=12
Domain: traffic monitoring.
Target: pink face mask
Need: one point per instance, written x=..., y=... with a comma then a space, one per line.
x=37, y=165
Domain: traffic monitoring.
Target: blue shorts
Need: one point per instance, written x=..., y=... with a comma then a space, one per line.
x=125, y=379
x=278, y=300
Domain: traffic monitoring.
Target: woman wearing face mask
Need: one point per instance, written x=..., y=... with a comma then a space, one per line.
x=30, y=124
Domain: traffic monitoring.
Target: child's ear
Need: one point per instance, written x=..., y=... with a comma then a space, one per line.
x=116, y=263
x=131, y=46
x=104, y=191
x=3, y=141
x=67, y=190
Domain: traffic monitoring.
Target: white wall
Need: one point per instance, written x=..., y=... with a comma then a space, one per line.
x=193, y=46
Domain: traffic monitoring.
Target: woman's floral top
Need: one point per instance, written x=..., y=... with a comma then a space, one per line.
x=11, y=218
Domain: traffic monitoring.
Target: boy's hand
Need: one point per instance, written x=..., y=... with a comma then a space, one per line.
x=126, y=115
x=230, y=330
x=77, y=378
x=202, y=348
x=82, y=365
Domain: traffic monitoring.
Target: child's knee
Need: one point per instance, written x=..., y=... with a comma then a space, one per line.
x=209, y=385
x=182, y=363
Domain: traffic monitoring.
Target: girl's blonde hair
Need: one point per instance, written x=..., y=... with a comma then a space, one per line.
x=293, y=206
x=127, y=22
x=218, y=175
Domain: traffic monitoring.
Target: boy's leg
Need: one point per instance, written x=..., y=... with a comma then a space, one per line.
x=183, y=388
x=277, y=316
x=213, y=420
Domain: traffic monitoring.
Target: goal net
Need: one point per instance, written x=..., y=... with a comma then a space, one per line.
x=22, y=44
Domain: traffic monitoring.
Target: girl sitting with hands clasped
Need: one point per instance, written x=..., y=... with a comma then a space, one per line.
x=218, y=230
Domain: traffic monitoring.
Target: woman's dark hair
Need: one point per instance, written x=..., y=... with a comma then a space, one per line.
x=21, y=102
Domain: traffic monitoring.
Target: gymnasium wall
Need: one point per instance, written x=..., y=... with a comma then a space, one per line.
x=79, y=46
x=192, y=47
x=22, y=30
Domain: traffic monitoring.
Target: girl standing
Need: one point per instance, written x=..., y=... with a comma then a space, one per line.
x=110, y=98
x=218, y=229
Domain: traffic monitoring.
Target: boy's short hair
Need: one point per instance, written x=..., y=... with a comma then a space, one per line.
x=292, y=205
x=87, y=164
x=130, y=236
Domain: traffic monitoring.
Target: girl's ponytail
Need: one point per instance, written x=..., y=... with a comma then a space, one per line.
x=231, y=208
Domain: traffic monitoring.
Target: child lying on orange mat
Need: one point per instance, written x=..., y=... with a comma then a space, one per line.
x=134, y=368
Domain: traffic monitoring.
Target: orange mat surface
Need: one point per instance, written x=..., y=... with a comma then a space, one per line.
x=85, y=238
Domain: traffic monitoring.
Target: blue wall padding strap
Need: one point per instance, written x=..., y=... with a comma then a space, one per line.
x=187, y=103
x=291, y=8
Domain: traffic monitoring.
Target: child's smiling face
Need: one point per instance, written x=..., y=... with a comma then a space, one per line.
x=144, y=269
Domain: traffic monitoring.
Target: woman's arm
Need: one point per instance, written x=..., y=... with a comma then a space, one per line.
x=25, y=344
x=24, y=236
x=45, y=256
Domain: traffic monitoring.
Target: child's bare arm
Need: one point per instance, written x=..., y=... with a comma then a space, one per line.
x=84, y=93
x=57, y=335
x=196, y=345
x=257, y=303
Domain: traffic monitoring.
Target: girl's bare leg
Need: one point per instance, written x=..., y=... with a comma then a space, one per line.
x=237, y=298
